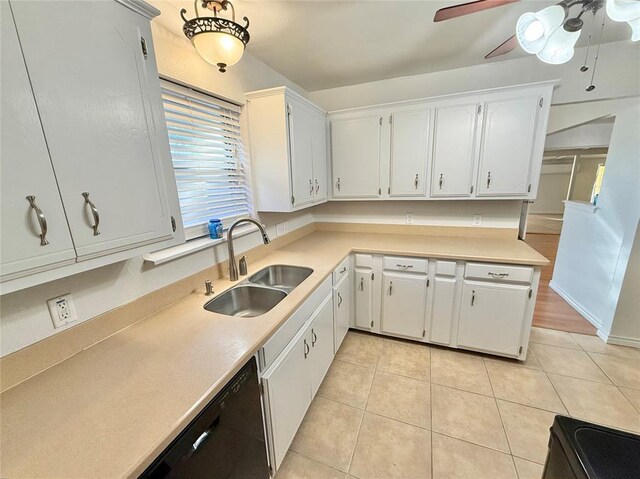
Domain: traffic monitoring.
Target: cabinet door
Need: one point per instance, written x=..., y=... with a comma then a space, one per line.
x=342, y=310
x=409, y=152
x=454, y=149
x=319, y=151
x=300, y=152
x=491, y=317
x=26, y=171
x=507, y=144
x=288, y=394
x=363, y=297
x=444, y=292
x=320, y=337
x=99, y=102
x=403, y=304
x=355, y=153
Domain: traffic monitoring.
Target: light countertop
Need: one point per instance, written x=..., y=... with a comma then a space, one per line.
x=111, y=409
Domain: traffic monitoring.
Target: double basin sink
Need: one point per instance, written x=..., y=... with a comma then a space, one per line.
x=260, y=292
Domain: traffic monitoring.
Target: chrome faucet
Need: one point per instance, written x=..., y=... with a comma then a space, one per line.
x=233, y=267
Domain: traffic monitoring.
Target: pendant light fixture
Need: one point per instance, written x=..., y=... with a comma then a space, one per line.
x=218, y=40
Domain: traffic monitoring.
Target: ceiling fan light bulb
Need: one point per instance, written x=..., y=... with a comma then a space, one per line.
x=560, y=47
x=534, y=29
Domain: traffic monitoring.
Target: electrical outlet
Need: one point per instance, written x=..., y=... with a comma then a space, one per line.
x=62, y=310
x=477, y=220
x=281, y=228
x=409, y=218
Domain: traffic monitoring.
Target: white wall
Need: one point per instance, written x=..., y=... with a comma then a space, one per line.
x=626, y=321
x=497, y=214
x=552, y=191
x=584, y=136
x=618, y=76
x=595, y=247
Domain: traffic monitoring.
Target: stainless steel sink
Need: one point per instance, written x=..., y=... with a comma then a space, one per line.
x=245, y=301
x=281, y=276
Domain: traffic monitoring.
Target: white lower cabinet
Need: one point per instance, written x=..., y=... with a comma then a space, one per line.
x=341, y=310
x=293, y=378
x=363, y=298
x=492, y=317
x=443, y=309
x=404, y=298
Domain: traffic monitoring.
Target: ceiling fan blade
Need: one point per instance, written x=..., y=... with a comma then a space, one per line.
x=504, y=47
x=467, y=8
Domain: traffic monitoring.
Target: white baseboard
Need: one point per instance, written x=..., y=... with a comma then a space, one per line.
x=622, y=341
x=575, y=305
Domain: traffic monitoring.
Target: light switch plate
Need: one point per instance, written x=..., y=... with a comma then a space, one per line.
x=62, y=310
x=477, y=220
x=281, y=228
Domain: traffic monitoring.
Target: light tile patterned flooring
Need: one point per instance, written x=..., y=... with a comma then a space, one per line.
x=395, y=409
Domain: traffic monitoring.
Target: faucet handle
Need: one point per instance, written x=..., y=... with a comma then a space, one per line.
x=243, y=266
x=208, y=287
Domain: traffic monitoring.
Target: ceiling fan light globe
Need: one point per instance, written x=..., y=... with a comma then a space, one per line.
x=635, y=29
x=219, y=48
x=560, y=47
x=623, y=10
x=534, y=29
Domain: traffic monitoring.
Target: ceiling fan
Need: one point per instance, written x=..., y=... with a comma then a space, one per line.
x=549, y=20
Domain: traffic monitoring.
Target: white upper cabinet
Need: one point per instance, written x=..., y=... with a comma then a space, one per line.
x=287, y=136
x=485, y=144
x=410, y=134
x=97, y=92
x=454, y=149
x=506, y=150
x=355, y=156
x=34, y=235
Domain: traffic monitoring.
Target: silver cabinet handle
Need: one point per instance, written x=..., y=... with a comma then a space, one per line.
x=361, y=284
x=314, y=338
x=343, y=270
x=498, y=275
x=306, y=349
x=390, y=288
x=488, y=179
x=405, y=266
x=339, y=300
x=41, y=220
x=338, y=184
x=310, y=187
x=440, y=182
x=94, y=212
x=415, y=182
x=317, y=186
x=473, y=297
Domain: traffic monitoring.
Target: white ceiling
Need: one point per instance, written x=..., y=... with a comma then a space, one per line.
x=326, y=44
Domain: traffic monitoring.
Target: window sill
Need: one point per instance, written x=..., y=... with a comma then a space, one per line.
x=193, y=246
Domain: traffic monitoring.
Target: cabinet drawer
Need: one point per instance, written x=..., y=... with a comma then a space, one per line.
x=498, y=272
x=364, y=260
x=341, y=271
x=410, y=265
x=446, y=268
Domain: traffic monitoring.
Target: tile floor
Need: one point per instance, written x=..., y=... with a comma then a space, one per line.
x=394, y=409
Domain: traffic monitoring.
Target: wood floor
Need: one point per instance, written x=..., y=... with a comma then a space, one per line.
x=552, y=311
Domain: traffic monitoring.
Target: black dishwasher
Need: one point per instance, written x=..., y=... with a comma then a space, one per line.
x=226, y=440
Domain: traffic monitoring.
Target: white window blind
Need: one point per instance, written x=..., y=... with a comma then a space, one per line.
x=208, y=157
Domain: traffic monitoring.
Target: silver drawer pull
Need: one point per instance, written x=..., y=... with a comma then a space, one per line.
x=339, y=300
x=317, y=186
x=94, y=212
x=415, y=182
x=314, y=338
x=390, y=288
x=42, y=221
x=440, y=182
x=361, y=283
x=342, y=270
x=498, y=275
x=338, y=183
x=406, y=266
x=306, y=348
x=473, y=297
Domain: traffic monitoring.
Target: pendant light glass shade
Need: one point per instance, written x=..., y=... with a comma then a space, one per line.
x=560, y=46
x=533, y=30
x=626, y=11
x=219, y=48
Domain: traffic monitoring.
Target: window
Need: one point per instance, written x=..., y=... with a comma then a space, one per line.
x=208, y=158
